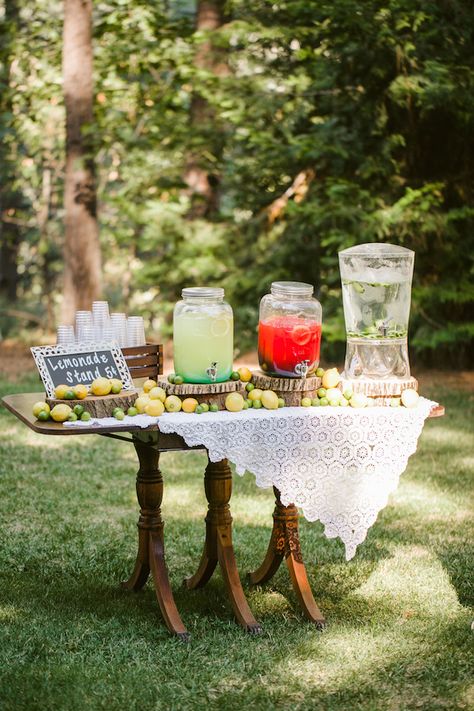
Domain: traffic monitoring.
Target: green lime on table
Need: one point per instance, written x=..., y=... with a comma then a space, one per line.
x=235, y=375
x=78, y=410
x=323, y=401
x=119, y=415
x=69, y=395
x=171, y=378
x=205, y=407
x=132, y=411
x=199, y=410
x=320, y=372
x=306, y=402
x=315, y=402
x=178, y=380
x=86, y=416
x=322, y=392
x=72, y=417
x=247, y=404
x=348, y=393
x=281, y=402
x=249, y=387
x=116, y=409
x=256, y=404
x=43, y=416
x=214, y=407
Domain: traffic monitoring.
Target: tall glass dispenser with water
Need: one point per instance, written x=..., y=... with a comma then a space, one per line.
x=376, y=288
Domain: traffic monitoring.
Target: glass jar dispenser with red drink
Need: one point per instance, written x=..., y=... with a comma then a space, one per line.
x=289, y=330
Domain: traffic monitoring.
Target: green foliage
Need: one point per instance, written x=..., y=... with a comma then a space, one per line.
x=373, y=104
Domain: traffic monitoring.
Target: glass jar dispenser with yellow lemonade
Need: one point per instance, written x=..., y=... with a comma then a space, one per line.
x=203, y=336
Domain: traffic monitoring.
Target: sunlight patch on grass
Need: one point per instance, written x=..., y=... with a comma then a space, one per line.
x=8, y=613
x=425, y=498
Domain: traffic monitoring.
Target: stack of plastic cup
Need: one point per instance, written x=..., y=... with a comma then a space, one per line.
x=135, y=331
x=84, y=327
x=101, y=319
x=65, y=335
x=119, y=328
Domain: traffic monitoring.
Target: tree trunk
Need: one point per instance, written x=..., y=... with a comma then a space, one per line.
x=82, y=260
x=204, y=185
x=10, y=199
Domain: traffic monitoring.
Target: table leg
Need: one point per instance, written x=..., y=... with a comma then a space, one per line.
x=285, y=543
x=218, y=546
x=151, y=554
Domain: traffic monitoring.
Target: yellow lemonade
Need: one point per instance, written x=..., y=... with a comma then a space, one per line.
x=203, y=342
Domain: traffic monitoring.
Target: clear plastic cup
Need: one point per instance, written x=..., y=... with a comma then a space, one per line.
x=135, y=331
x=65, y=335
x=119, y=328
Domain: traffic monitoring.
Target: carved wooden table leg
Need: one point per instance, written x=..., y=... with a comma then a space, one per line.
x=285, y=543
x=151, y=555
x=218, y=544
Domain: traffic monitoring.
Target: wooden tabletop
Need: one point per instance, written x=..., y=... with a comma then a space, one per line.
x=21, y=405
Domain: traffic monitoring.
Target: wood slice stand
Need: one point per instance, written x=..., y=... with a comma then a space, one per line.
x=100, y=405
x=211, y=393
x=292, y=390
x=380, y=391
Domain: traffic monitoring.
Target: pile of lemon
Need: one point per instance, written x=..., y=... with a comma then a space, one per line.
x=331, y=394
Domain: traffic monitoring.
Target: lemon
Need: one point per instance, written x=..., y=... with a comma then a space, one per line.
x=333, y=394
x=154, y=408
x=149, y=385
x=410, y=398
x=255, y=394
x=269, y=400
x=80, y=392
x=306, y=402
x=172, y=403
x=116, y=386
x=40, y=407
x=359, y=400
x=60, y=391
x=189, y=404
x=331, y=378
x=101, y=386
x=141, y=402
x=245, y=375
x=157, y=394
x=60, y=413
x=234, y=402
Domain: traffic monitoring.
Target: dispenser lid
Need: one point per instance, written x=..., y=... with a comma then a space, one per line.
x=376, y=249
x=203, y=292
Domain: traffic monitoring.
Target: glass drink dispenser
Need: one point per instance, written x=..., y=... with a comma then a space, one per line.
x=203, y=336
x=376, y=291
x=289, y=330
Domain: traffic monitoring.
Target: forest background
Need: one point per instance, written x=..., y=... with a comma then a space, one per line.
x=238, y=143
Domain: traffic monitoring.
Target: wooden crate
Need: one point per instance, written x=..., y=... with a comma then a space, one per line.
x=144, y=361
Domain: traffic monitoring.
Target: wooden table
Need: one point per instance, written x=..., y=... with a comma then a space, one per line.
x=218, y=548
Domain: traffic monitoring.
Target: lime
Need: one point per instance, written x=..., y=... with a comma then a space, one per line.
x=322, y=392
x=72, y=417
x=395, y=402
x=86, y=416
x=132, y=411
x=214, y=407
x=171, y=378
x=249, y=387
x=323, y=401
x=256, y=404
x=343, y=402
x=315, y=402
x=348, y=393
x=199, y=410
x=69, y=395
x=281, y=402
x=334, y=403
x=235, y=375
x=246, y=404
x=178, y=380
x=205, y=407
x=43, y=415
x=306, y=402
x=249, y=402
x=119, y=415
x=116, y=409
x=78, y=410
x=320, y=372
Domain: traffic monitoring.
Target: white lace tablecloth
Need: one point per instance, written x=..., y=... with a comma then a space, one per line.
x=339, y=465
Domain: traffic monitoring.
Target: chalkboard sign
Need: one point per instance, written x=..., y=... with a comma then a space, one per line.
x=71, y=365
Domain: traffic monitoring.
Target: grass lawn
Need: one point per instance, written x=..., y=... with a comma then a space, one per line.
x=399, y=634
